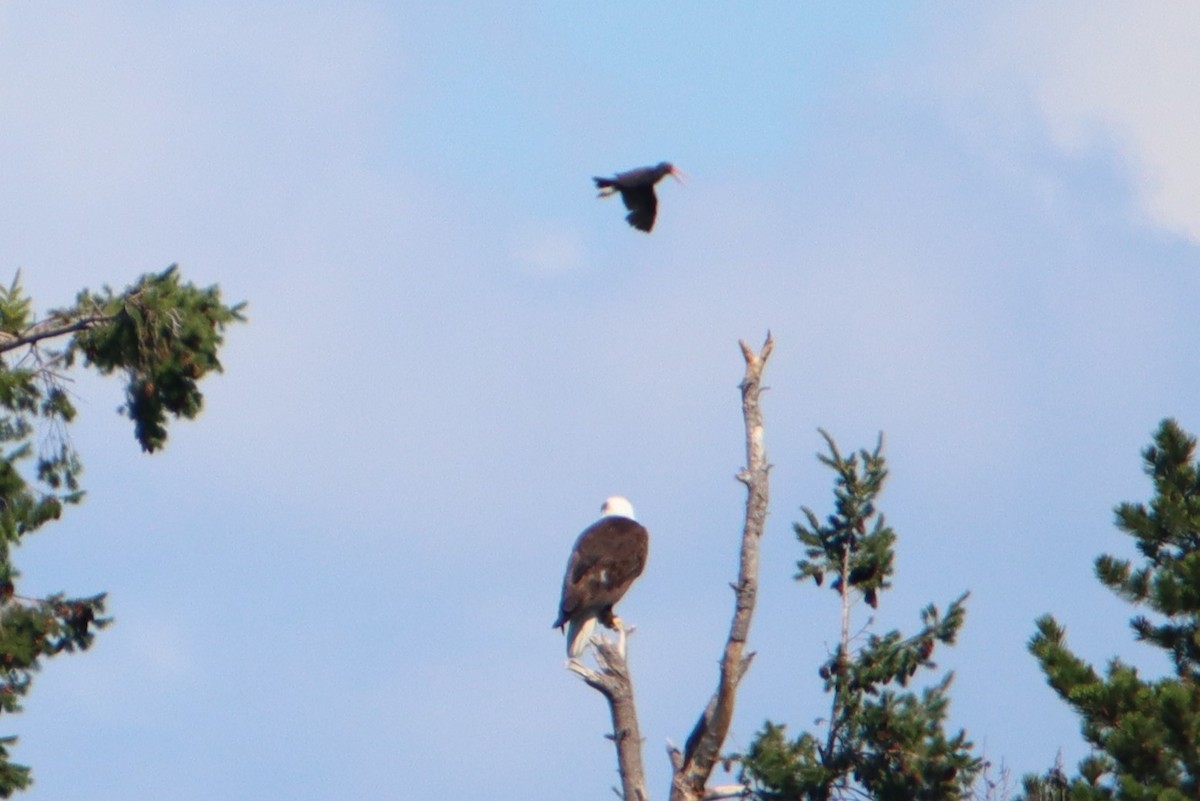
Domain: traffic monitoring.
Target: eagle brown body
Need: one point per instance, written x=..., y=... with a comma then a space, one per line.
x=606, y=559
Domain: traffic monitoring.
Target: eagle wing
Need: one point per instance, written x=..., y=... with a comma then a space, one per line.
x=607, y=558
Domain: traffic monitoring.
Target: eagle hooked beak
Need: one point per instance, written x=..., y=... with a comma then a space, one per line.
x=678, y=175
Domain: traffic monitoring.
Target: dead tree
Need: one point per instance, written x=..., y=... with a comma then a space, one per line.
x=693, y=765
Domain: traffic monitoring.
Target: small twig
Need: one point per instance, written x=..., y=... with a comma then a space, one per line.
x=674, y=755
x=28, y=600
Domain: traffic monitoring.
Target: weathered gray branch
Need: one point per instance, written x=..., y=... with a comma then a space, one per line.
x=703, y=748
x=693, y=766
x=613, y=682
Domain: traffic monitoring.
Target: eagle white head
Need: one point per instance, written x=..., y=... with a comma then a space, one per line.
x=617, y=506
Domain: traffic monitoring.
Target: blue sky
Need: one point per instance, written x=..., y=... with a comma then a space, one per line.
x=975, y=229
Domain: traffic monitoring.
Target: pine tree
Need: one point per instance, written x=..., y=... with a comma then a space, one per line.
x=1145, y=733
x=164, y=336
x=881, y=740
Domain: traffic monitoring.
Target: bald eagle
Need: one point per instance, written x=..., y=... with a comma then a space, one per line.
x=607, y=557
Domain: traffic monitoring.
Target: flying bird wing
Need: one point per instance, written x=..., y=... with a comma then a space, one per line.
x=643, y=206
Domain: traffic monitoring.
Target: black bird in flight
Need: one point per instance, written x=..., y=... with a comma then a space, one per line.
x=637, y=191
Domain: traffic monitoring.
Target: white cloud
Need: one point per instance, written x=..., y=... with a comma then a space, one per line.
x=1100, y=76
x=1132, y=73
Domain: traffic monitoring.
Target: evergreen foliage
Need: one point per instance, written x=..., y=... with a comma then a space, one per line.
x=1145, y=734
x=164, y=335
x=882, y=740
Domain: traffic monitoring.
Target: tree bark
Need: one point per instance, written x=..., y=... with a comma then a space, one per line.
x=702, y=751
x=613, y=682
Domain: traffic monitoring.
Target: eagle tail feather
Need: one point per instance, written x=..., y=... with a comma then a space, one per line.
x=579, y=632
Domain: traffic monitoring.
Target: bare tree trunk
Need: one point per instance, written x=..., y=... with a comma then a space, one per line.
x=702, y=751
x=693, y=766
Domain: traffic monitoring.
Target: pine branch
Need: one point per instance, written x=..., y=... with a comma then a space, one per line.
x=702, y=751
x=52, y=328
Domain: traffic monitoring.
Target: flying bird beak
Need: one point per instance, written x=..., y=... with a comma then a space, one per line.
x=678, y=175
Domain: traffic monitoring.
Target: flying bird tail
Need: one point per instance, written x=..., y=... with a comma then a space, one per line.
x=579, y=631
